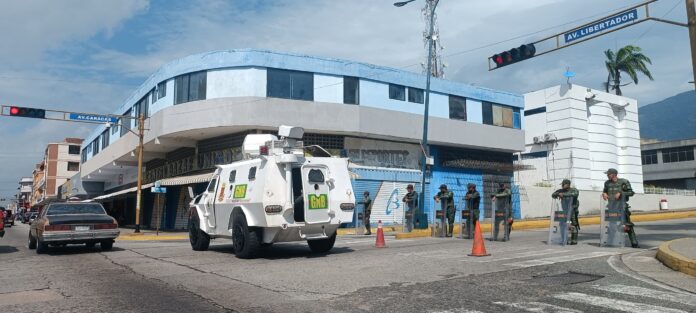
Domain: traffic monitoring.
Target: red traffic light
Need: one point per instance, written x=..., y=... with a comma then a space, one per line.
x=27, y=112
x=513, y=55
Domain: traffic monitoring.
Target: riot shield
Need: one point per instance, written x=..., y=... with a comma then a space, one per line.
x=407, y=220
x=359, y=227
x=440, y=223
x=501, y=213
x=613, y=217
x=561, y=211
x=466, y=222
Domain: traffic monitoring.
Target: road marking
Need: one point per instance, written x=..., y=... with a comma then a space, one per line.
x=561, y=259
x=456, y=311
x=28, y=296
x=538, y=307
x=616, y=264
x=650, y=293
x=518, y=255
x=614, y=304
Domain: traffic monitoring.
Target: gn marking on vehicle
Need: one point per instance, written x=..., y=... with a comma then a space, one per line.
x=317, y=202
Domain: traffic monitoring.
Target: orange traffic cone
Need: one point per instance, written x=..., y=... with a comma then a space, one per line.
x=479, y=248
x=380, y=236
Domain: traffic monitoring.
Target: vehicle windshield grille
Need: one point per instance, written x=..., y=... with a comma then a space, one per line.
x=71, y=208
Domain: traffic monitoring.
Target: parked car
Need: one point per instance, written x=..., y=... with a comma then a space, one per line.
x=2, y=224
x=73, y=223
x=8, y=216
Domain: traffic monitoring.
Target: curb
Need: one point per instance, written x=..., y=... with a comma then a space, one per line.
x=675, y=260
x=544, y=223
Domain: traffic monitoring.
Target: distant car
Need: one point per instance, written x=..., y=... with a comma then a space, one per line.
x=9, y=217
x=2, y=224
x=73, y=223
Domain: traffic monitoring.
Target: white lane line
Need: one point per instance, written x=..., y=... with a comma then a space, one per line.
x=518, y=255
x=650, y=293
x=614, y=304
x=561, y=259
x=538, y=307
x=461, y=310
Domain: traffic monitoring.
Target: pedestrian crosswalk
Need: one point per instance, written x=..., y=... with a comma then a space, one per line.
x=600, y=298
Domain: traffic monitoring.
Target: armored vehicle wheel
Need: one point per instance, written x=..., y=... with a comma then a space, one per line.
x=322, y=245
x=246, y=242
x=200, y=241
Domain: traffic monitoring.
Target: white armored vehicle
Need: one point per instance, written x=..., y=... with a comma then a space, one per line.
x=276, y=194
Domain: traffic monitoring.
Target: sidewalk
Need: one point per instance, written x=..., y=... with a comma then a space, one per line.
x=679, y=255
x=128, y=234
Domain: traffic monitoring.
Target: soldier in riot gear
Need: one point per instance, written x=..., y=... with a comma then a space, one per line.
x=367, y=210
x=411, y=202
x=448, y=203
x=502, y=202
x=569, y=192
x=615, y=188
x=473, y=199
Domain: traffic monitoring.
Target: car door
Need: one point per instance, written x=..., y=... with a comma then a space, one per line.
x=316, y=191
x=208, y=200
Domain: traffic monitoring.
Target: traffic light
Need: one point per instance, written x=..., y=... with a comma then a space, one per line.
x=514, y=55
x=27, y=112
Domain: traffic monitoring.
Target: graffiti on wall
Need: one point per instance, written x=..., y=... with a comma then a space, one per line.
x=382, y=153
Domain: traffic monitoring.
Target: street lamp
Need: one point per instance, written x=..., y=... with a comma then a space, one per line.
x=424, y=142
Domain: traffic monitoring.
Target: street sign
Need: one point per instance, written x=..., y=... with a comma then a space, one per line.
x=93, y=118
x=602, y=25
x=158, y=189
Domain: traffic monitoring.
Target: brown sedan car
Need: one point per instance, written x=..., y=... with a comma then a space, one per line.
x=60, y=224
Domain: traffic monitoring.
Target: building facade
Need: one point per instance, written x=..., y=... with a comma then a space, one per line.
x=199, y=109
x=578, y=133
x=670, y=164
x=60, y=162
x=25, y=192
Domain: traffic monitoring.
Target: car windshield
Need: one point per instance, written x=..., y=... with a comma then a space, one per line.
x=73, y=208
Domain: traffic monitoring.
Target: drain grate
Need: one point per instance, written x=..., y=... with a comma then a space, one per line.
x=568, y=278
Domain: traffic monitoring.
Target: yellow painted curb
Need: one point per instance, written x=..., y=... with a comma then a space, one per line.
x=675, y=260
x=151, y=237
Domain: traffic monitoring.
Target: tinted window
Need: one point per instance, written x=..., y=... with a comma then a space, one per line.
x=457, y=108
x=397, y=92
x=289, y=84
x=73, y=166
x=211, y=186
x=181, y=89
x=105, y=139
x=125, y=123
x=74, y=208
x=487, y=110
x=233, y=176
x=351, y=90
x=190, y=87
x=161, y=90
x=415, y=95
x=73, y=149
x=315, y=176
x=252, y=173
x=95, y=146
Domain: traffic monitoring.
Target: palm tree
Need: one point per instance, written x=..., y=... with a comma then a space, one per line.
x=629, y=60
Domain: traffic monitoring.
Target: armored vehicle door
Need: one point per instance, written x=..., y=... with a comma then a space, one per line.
x=208, y=200
x=316, y=190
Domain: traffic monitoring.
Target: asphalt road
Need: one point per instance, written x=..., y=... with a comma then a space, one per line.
x=415, y=275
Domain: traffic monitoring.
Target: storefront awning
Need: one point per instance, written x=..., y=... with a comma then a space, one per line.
x=186, y=180
x=124, y=191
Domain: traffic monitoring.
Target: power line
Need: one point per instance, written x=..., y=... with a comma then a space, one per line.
x=676, y=3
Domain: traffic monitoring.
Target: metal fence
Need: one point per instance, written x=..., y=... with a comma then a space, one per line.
x=669, y=191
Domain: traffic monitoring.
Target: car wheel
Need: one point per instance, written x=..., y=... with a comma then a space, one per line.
x=106, y=245
x=246, y=242
x=32, y=242
x=90, y=244
x=41, y=247
x=322, y=245
x=200, y=241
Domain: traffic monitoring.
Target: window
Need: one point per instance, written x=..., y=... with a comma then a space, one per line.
x=190, y=87
x=498, y=115
x=74, y=208
x=351, y=90
x=213, y=183
x=457, y=108
x=105, y=139
x=289, y=84
x=315, y=176
x=679, y=154
x=252, y=173
x=161, y=90
x=535, y=111
x=153, y=94
x=73, y=166
x=397, y=92
x=649, y=157
x=233, y=176
x=125, y=123
x=73, y=149
x=415, y=95
x=83, y=158
x=95, y=146
x=115, y=127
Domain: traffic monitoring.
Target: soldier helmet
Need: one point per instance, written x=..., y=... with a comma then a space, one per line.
x=469, y=185
x=612, y=171
x=443, y=186
x=565, y=182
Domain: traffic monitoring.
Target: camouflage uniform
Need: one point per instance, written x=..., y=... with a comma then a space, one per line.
x=473, y=199
x=367, y=210
x=623, y=186
x=447, y=198
x=574, y=193
x=411, y=201
x=504, y=194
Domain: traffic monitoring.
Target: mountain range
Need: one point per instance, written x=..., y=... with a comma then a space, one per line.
x=673, y=118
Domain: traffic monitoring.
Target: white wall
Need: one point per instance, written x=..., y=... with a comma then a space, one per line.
x=238, y=82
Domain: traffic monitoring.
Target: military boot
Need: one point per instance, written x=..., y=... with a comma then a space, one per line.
x=574, y=237
x=450, y=230
x=632, y=237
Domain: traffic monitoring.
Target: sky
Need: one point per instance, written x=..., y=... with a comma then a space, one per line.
x=89, y=56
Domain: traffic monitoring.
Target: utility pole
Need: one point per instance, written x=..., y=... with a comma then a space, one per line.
x=138, y=197
x=691, y=21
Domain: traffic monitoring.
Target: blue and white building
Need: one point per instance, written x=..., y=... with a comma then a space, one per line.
x=199, y=108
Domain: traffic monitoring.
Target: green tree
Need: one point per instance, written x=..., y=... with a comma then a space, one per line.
x=629, y=60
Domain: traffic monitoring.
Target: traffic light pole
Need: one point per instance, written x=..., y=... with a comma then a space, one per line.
x=691, y=21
